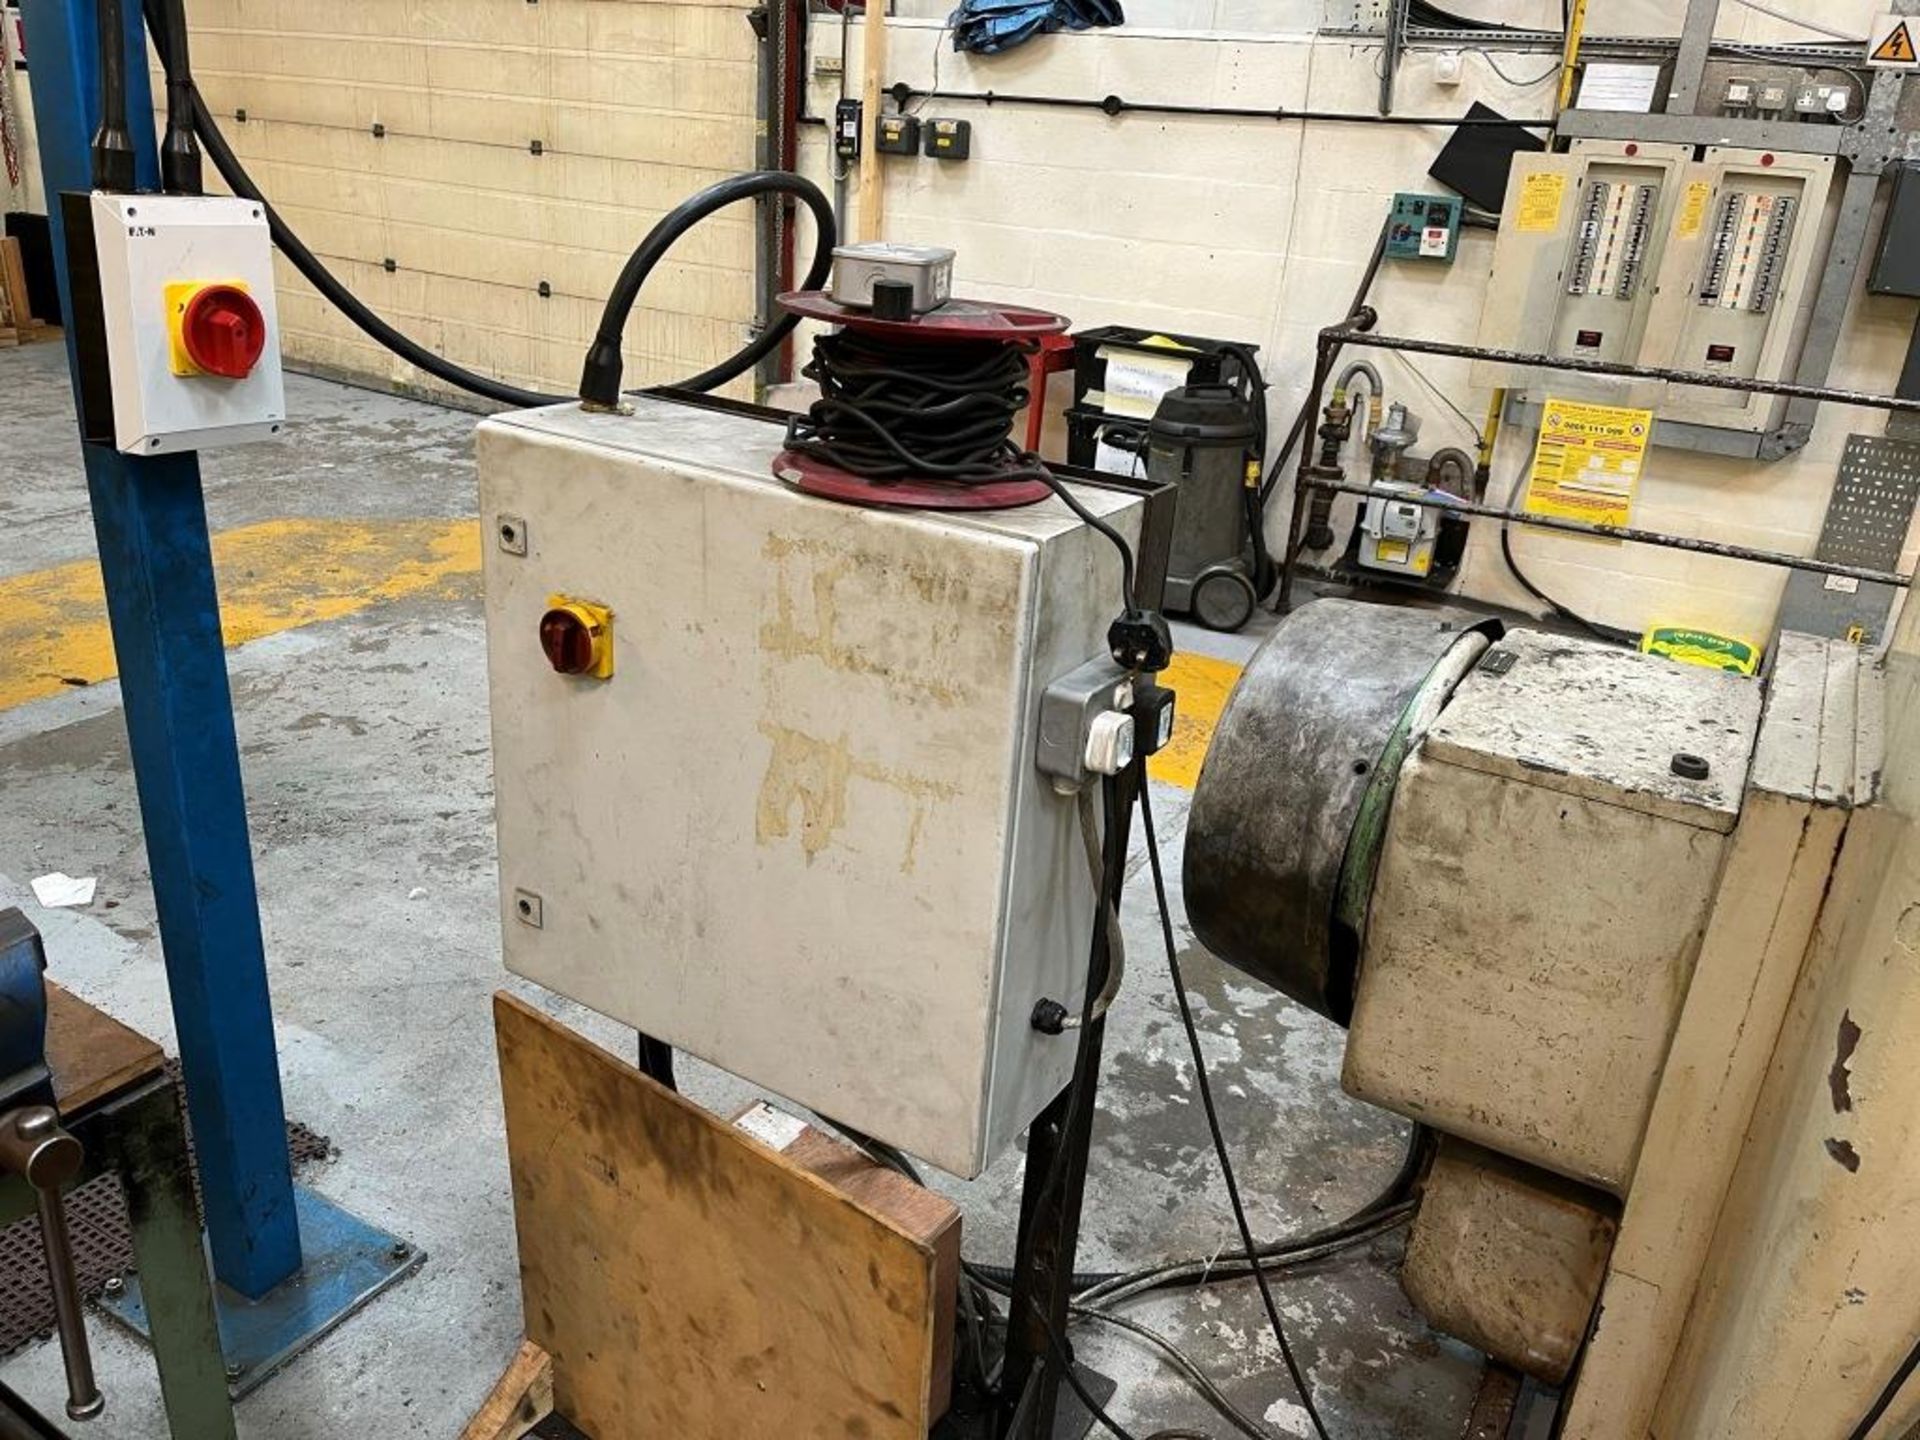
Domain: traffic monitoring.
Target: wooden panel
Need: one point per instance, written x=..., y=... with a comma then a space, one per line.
x=691, y=1282
x=919, y=1212
x=92, y=1055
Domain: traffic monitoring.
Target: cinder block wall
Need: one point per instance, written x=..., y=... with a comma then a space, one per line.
x=450, y=223
x=1259, y=231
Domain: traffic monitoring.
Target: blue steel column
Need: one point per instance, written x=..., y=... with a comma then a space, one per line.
x=150, y=520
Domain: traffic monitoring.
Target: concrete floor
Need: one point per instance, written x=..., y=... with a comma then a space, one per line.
x=364, y=735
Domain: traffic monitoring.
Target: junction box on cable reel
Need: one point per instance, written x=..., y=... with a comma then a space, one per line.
x=803, y=818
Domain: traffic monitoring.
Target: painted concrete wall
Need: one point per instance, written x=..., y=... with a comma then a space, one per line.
x=1259, y=232
x=636, y=104
x=1241, y=229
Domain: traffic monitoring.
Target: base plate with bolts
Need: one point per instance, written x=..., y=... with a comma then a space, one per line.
x=347, y=1264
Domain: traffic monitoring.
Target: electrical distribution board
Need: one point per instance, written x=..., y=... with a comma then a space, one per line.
x=1580, y=246
x=1738, y=281
x=1634, y=253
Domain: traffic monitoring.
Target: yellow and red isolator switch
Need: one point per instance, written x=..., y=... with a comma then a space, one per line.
x=183, y=323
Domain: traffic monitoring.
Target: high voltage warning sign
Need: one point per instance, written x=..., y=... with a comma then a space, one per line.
x=1891, y=45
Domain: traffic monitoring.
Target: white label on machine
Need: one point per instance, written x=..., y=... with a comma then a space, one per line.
x=771, y=1127
x=1843, y=584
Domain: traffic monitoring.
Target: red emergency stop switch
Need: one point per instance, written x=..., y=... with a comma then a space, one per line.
x=577, y=637
x=222, y=331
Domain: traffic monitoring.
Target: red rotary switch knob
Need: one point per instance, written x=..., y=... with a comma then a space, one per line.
x=224, y=331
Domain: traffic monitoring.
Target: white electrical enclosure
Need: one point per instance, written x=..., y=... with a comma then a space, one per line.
x=1580, y=246
x=145, y=244
x=799, y=831
x=1738, y=281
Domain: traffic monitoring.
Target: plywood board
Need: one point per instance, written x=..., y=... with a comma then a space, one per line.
x=690, y=1281
x=919, y=1212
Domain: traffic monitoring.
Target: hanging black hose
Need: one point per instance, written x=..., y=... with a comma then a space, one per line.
x=600, y=377
x=179, y=151
x=335, y=293
x=113, y=168
x=893, y=409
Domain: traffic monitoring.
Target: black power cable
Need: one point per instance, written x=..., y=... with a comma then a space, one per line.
x=1356, y=1228
x=930, y=409
x=180, y=172
x=662, y=236
x=1205, y=1087
x=1888, y=1395
x=896, y=409
x=600, y=377
x=113, y=167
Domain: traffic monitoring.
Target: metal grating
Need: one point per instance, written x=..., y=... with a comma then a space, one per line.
x=1867, y=522
x=102, y=1241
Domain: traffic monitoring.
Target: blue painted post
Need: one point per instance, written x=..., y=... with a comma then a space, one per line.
x=150, y=520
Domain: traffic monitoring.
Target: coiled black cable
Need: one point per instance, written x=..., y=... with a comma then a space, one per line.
x=934, y=407
x=924, y=409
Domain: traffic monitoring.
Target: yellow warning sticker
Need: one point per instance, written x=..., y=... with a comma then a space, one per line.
x=1587, y=463
x=1693, y=208
x=1540, y=197
x=1891, y=45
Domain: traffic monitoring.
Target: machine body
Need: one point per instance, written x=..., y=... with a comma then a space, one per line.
x=1580, y=902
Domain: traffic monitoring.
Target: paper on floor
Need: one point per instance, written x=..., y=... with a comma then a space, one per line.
x=58, y=889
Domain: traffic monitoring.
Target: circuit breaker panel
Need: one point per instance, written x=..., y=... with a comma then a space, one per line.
x=1738, y=279
x=1581, y=242
x=1635, y=253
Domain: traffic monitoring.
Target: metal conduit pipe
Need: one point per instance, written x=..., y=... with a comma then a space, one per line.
x=1116, y=105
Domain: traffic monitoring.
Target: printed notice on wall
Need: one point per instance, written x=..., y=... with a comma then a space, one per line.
x=1540, y=196
x=1588, y=461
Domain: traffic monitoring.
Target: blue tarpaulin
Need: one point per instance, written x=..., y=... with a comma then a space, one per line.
x=985, y=26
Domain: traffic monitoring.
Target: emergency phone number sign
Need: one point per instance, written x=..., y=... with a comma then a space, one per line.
x=1587, y=462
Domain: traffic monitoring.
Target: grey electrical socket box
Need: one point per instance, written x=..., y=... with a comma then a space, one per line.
x=1896, y=269
x=948, y=139
x=897, y=135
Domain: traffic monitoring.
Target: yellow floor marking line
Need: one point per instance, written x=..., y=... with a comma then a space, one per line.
x=275, y=575
x=281, y=574
x=1202, y=684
